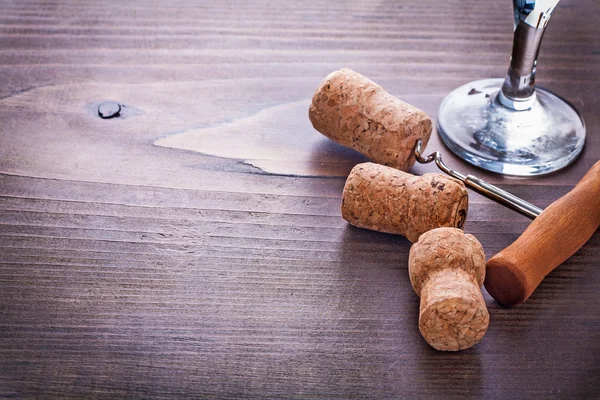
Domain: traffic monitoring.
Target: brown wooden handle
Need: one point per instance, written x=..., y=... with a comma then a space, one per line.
x=561, y=229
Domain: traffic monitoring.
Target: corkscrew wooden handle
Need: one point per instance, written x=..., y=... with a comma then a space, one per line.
x=561, y=229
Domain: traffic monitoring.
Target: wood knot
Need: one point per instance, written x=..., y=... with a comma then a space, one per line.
x=109, y=109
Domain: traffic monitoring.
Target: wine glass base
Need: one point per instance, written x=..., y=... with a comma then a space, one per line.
x=542, y=139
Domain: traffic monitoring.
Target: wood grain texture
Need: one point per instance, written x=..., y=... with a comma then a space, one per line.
x=130, y=270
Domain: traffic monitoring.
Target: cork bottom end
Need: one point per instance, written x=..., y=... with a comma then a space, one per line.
x=454, y=324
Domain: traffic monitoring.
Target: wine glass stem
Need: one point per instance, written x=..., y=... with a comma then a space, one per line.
x=518, y=90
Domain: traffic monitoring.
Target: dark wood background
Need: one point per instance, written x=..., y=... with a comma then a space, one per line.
x=133, y=270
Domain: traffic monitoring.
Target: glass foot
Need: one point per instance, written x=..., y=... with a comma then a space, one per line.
x=542, y=139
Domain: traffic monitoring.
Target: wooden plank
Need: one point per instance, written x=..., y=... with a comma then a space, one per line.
x=131, y=270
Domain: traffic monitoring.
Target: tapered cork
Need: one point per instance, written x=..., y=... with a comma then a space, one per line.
x=357, y=113
x=447, y=268
x=388, y=200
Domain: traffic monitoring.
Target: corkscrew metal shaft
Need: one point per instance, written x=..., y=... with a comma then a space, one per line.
x=480, y=186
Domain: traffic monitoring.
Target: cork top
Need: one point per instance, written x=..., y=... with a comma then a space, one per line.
x=446, y=269
x=440, y=245
x=389, y=200
x=356, y=112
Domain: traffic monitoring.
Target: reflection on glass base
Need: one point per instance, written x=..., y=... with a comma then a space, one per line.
x=477, y=128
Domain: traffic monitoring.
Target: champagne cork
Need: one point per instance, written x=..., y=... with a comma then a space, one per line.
x=357, y=113
x=387, y=200
x=447, y=268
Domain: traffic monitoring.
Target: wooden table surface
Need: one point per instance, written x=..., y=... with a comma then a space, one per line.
x=193, y=247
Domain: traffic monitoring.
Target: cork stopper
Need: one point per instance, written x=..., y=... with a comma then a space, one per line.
x=387, y=200
x=357, y=113
x=447, y=268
